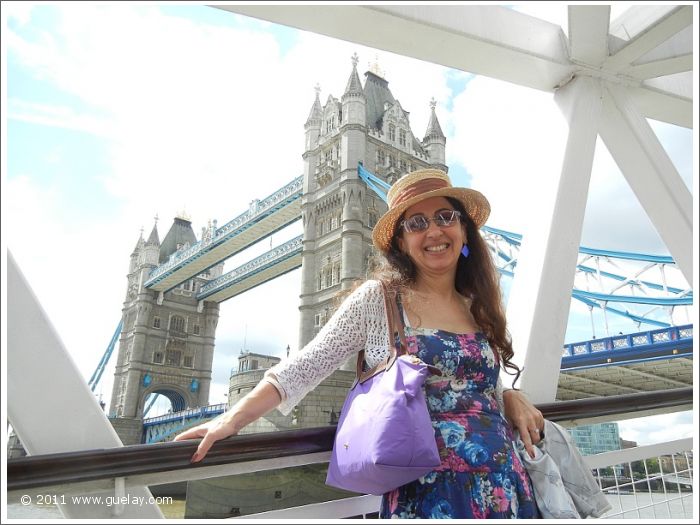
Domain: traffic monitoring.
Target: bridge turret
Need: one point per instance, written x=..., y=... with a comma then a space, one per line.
x=134, y=262
x=434, y=140
x=167, y=340
x=313, y=123
x=354, y=100
x=151, y=248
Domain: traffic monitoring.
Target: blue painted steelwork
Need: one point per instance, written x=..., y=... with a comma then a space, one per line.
x=579, y=295
x=151, y=402
x=633, y=360
x=378, y=185
x=587, y=269
x=161, y=427
x=637, y=318
x=673, y=341
x=516, y=238
x=659, y=301
x=671, y=289
x=260, y=211
x=257, y=265
x=97, y=374
x=512, y=238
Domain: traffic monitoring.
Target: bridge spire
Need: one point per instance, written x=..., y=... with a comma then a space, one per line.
x=314, y=119
x=354, y=86
x=139, y=242
x=153, y=238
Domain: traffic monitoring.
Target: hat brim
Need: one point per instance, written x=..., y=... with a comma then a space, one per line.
x=475, y=204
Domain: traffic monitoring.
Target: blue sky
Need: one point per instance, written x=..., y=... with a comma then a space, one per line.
x=116, y=113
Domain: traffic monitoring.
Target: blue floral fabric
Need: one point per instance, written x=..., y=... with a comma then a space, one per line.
x=480, y=475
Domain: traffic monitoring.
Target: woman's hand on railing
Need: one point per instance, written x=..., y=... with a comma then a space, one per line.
x=525, y=418
x=258, y=402
x=218, y=428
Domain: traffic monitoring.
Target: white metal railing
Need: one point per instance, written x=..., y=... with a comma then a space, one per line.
x=652, y=481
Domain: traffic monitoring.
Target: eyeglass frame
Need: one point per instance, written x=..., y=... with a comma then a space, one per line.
x=456, y=216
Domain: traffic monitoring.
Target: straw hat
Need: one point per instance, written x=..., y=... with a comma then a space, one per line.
x=418, y=186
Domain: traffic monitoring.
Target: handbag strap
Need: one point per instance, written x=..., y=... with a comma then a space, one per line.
x=394, y=321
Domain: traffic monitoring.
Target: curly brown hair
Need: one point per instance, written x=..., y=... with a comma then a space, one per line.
x=476, y=279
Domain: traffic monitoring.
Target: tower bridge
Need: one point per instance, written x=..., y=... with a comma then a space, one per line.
x=356, y=146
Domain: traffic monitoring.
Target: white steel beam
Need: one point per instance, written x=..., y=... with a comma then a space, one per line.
x=486, y=40
x=674, y=22
x=663, y=67
x=678, y=84
x=659, y=105
x=651, y=175
x=50, y=405
x=679, y=44
x=588, y=33
x=540, y=298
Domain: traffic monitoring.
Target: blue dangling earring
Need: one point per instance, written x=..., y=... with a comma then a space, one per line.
x=465, y=250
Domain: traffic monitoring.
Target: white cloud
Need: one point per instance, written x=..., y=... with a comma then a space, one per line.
x=57, y=116
x=20, y=12
x=658, y=429
x=508, y=133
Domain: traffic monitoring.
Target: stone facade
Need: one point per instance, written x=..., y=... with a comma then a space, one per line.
x=321, y=407
x=366, y=125
x=166, y=345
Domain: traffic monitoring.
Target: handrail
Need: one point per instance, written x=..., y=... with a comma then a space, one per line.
x=87, y=465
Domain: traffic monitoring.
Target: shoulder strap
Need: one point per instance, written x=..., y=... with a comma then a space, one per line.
x=393, y=321
x=394, y=313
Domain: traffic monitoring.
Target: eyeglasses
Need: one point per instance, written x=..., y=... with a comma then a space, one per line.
x=420, y=223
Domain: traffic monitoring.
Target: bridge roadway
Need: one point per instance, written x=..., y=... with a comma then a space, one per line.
x=621, y=364
x=262, y=219
x=268, y=266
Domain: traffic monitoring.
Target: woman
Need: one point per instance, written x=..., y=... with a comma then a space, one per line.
x=446, y=286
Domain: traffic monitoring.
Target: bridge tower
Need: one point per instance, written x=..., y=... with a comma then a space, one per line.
x=167, y=342
x=366, y=125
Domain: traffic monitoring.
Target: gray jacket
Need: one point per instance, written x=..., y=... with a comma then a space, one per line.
x=564, y=485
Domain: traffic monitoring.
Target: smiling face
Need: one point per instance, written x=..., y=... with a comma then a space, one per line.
x=435, y=250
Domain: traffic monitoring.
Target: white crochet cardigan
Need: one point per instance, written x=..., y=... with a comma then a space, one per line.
x=360, y=322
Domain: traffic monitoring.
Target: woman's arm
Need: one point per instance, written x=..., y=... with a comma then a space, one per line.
x=285, y=384
x=258, y=402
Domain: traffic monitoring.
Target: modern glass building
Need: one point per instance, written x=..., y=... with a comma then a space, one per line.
x=594, y=439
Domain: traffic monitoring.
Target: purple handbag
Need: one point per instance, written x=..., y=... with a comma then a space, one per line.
x=385, y=438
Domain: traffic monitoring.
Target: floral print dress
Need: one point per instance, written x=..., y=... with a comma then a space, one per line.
x=480, y=475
